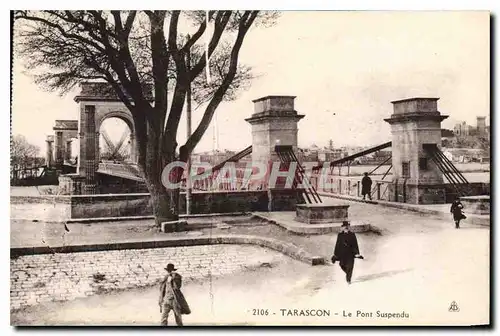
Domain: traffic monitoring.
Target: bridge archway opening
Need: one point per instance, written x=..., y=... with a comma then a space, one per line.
x=72, y=149
x=116, y=141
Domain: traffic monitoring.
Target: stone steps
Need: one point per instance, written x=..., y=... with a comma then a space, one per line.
x=287, y=222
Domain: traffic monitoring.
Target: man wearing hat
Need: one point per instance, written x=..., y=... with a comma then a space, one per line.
x=346, y=249
x=171, y=297
x=366, y=186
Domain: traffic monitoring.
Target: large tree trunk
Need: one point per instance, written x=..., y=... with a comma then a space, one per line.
x=165, y=203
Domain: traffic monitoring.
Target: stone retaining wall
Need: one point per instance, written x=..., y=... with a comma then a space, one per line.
x=65, y=207
x=286, y=248
x=35, y=279
x=42, y=208
x=114, y=205
x=227, y=201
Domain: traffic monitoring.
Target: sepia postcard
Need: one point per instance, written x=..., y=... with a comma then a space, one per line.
x=250, y=168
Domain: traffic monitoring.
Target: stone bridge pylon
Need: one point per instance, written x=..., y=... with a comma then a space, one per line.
x=97, y=102
x=415, y=124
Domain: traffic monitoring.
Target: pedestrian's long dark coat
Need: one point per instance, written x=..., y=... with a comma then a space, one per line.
x=366, y=185
x=346, y=246
x=179, y=300
x=456, y=210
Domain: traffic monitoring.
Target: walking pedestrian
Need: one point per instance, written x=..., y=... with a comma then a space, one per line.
x=171, y=297
x=366, y=186
x=456, y=211
x=346, y=249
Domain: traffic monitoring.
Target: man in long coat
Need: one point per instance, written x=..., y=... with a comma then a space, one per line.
x=366, y=186
x=346, y=249
x=456, y=210
x=171, y=297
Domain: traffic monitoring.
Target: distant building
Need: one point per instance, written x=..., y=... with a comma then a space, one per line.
x=329, y=155
x=354, y=150
x=212, y=157
x=376, y=158
x=308, y=154
x=463, y=129
x=464, y=155
x=317, y=154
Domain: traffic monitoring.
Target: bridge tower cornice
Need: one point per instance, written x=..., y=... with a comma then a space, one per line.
x=274, y=122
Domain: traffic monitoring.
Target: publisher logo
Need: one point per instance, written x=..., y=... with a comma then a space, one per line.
x=453, y=307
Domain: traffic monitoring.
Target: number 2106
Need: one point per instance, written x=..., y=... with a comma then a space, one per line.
x=260, y=312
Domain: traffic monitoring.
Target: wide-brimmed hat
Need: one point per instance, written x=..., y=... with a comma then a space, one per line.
x=170, y=267
x=345, y=224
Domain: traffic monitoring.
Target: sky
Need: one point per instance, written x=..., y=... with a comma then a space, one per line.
x=344, y=68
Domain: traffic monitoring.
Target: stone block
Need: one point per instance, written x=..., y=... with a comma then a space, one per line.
x=173, y=226
x=282, y=199
x=321, y=213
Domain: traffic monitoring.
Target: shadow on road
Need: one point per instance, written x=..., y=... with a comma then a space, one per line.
x=380, y=275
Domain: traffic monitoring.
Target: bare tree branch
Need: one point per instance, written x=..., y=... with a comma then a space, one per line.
x=245, y=23
x=218, y=30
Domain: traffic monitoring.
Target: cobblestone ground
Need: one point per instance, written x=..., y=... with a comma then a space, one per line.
x=60, y=277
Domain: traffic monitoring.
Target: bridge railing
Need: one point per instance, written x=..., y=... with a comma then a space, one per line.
x=211, y=183
x=350, y=186
x=341, y=185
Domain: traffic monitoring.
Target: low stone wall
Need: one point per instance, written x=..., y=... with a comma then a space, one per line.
x=113, y=205
x=225, y=201
x=42, y=278
x=38, y=199
x=479, y=205
x=43, y=208
x=65, y=207
x=472, y=189
x=433, y=194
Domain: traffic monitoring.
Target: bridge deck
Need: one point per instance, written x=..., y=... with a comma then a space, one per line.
x=128, y=171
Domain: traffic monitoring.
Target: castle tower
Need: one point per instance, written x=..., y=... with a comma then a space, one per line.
x=481, y=125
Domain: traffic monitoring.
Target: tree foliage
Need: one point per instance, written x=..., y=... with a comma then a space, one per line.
x=22, y=153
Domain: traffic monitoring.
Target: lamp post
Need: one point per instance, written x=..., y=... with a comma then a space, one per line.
x=188, y=119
